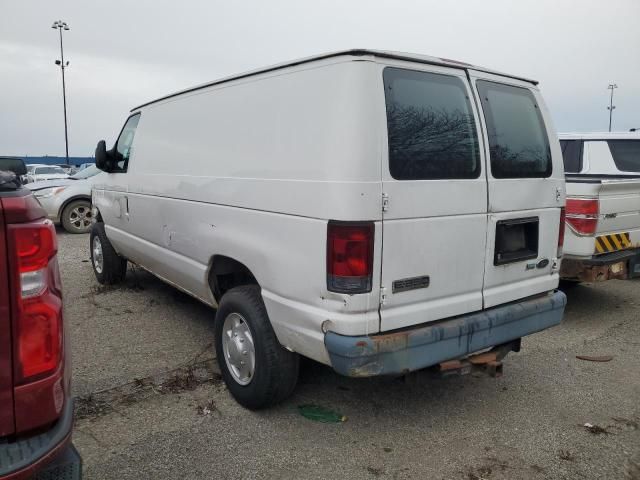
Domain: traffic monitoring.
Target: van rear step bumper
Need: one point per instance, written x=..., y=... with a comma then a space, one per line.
x=407, y=350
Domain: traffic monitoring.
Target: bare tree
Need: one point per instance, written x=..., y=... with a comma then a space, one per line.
x=430, y=143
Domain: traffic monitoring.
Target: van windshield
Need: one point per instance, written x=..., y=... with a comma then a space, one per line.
x=518, y=142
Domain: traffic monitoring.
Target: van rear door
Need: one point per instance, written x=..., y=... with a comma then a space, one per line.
x=434, y=197
x=6, y=379
x=525, y=176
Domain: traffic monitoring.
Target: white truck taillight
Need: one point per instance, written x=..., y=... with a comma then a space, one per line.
x=582, y=215
x=38, y=303
x=350, y=256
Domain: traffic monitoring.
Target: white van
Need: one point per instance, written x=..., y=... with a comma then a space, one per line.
x=377, y=212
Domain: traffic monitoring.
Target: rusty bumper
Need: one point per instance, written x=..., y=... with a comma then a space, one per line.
x=407, y=350
x=617, y=265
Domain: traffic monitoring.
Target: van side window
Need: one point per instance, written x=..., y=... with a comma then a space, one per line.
x=626, y=154
x=572, y=155
x=518, y=142
x=124, y=146
x=431, y=128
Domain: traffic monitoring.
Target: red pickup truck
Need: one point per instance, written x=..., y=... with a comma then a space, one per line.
x=36, y=409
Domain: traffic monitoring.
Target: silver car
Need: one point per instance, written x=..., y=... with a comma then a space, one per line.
x=68, y=200
x=38, y=173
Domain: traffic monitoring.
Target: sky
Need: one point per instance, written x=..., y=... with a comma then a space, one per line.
x=123, y=53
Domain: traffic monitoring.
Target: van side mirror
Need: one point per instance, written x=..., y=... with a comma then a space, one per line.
x=103, y=160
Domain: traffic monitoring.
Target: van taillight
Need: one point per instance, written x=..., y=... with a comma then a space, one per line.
x=38, y=302
x=350, y=256
x=582, y=215
x=563, y=219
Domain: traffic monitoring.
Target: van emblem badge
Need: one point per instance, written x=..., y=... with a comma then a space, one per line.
x=543, y=263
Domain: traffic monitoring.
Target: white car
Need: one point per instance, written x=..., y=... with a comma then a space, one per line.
x=37, y=173
x=67, y=201
x=603, y=198
x=377, y=212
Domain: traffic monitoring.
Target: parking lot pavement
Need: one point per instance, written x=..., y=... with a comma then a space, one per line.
x=151, y=405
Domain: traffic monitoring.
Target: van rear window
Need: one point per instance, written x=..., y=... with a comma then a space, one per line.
x=431, y=128
x=518, y=142
x=626, y=154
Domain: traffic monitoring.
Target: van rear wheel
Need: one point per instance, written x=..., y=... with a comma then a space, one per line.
x=257, y=370
x=109, y=267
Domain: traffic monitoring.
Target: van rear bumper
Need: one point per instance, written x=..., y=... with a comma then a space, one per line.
x=412, y=349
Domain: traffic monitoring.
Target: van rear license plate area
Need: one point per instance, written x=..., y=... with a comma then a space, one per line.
x=516, y=240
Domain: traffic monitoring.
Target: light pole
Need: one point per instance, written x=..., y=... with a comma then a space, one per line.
x=611, y=106
x=60, y=25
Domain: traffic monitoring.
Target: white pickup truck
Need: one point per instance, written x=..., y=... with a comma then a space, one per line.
x=603, y=206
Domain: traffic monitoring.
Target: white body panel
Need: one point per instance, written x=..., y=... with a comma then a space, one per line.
x=513, y=198
x=434, y=228
x=618, y=198
x=596, y=155
x=253, y=169
x=619, y=202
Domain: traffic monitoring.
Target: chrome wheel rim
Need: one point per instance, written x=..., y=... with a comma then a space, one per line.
x=96, y=251
x=238, y=348
x=80, y=217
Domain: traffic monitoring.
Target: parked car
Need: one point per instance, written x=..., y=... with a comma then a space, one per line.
x=36, y=409
x=603, y=195
x=37, y=173
x=377, y=212
x=67, y=201
x=68, y=169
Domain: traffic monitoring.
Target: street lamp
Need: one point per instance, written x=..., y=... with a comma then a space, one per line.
x=60, y=25
x=611, y=106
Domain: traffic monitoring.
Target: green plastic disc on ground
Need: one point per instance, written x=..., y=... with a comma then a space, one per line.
x=321, y=414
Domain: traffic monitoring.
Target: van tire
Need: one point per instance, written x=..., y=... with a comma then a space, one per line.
x=111, y=268
x=276, y=369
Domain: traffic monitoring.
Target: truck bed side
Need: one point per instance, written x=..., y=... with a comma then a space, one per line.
x=618, y=214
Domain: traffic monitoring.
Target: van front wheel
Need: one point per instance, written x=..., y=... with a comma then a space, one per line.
x=109, y=267
x=257, y=370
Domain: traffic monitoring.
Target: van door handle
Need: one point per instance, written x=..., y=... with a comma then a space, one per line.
x=126, y=207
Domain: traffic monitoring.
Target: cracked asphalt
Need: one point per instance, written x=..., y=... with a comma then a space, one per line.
x=151, y=405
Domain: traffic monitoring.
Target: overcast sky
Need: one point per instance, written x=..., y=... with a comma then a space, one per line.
x=124, y=52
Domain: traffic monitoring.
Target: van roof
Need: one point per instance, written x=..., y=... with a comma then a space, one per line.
x=600, y=136
x=413, y=57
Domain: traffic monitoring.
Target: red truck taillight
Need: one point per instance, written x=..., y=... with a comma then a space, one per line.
x=582, y=215
x=38, y=304
x=350, y=256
